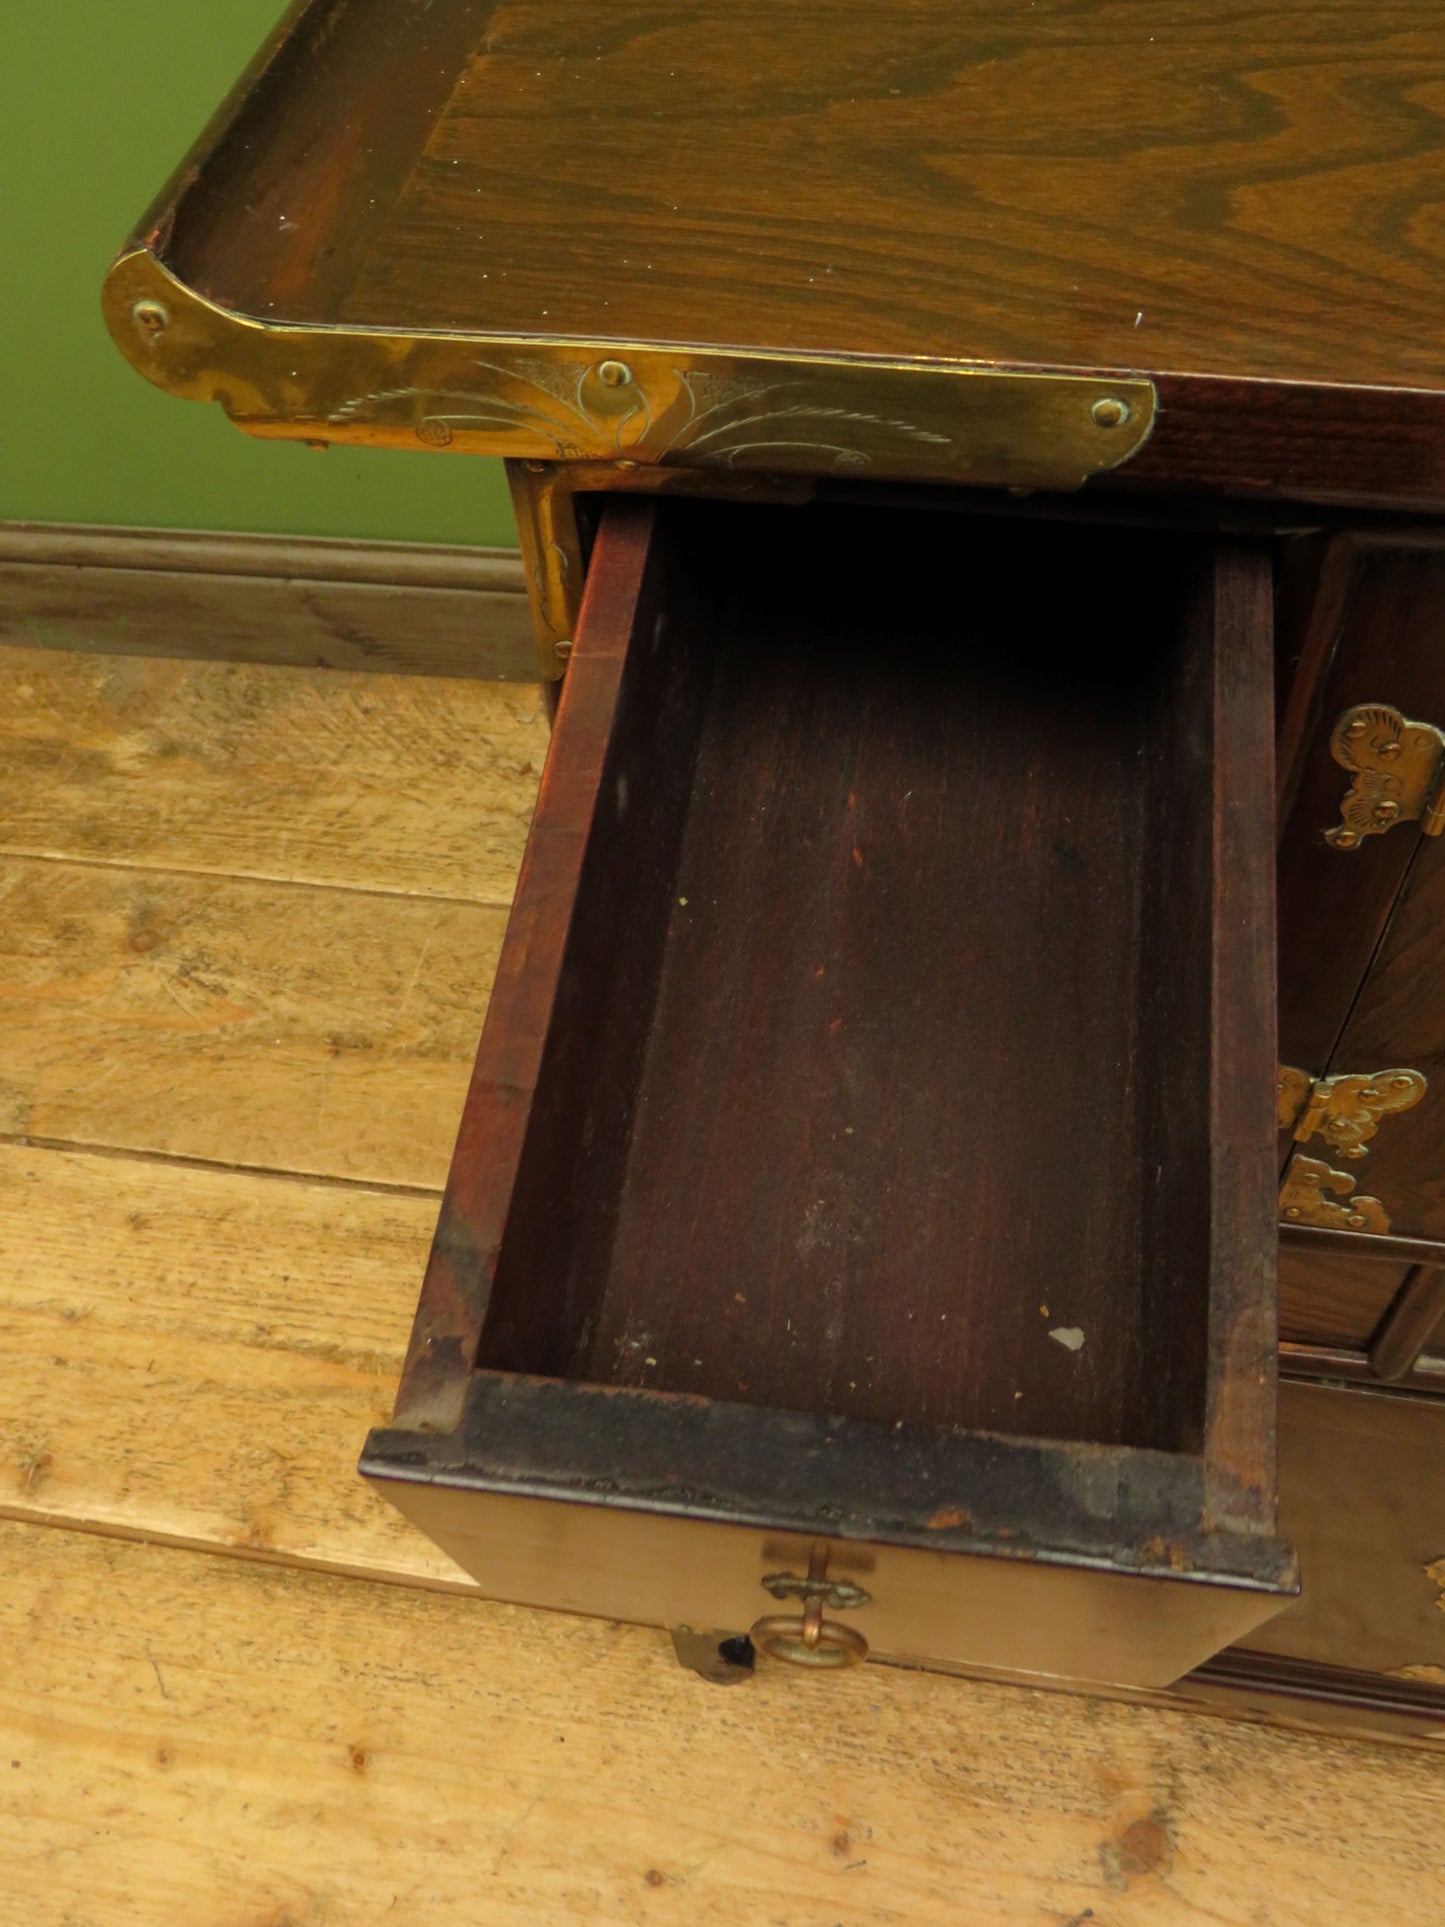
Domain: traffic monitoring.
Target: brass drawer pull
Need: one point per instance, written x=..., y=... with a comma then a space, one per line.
x=809, y=1641
x=812, y=1640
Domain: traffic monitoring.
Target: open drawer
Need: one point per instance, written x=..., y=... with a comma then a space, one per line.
x=864, y=1204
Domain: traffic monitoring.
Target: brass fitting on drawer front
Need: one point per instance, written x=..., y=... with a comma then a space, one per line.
x=809, y=1641
x=812, y=1640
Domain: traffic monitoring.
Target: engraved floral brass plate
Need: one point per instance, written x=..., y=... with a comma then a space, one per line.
x=1345, y=1110
x=1314, y=1194
x=1397, y=766
x=554, y=400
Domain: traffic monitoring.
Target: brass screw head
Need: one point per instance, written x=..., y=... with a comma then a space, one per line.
x=1386, y=812
x=150, y=315
x=1355, y=1220
x=1357, y=727
x=1110, y=412
x=562, y=650
x=1344, y=839
x=614, y=374
x=1387, y=752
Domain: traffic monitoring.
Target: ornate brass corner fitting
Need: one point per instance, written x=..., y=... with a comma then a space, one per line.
x=1346, y=1110
x=548, y=399
x=1302, y=1199
x=1399, y=771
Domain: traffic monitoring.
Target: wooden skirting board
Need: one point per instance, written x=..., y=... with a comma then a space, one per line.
x=414, y=608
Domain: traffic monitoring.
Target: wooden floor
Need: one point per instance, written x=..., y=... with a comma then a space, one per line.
x=250, y=915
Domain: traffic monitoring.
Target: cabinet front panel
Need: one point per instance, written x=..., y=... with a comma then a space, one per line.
x=1362, y=911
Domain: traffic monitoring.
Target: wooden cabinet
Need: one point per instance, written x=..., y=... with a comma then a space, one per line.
x=865, y=1209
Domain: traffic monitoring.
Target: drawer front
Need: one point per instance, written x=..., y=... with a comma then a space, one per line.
x=1006, y=1616
x=1362, y=1494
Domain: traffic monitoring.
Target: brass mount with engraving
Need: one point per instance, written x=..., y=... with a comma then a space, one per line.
x=1399, y=771
x=550, y=399
x=1344, y=1110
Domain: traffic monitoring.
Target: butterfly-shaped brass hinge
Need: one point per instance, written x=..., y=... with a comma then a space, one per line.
x=1345, y=1111
x=1399, y=772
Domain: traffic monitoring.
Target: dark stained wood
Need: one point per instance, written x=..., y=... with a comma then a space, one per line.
x=1341, y=1365
x=1314, y=574
x=553, y=1257
x=1376, y=638
x=1367, y=1247
x=602, y=705
x=1362, y=978
x=878, y=1065
x=1399, y=1017
x=1412, y=1320
x=797, y=1169
x=1333, y=1298
x=1235, y=645
x=320, y=134
x=805, y=1475
x=1360, y=972
x=1370, y=447
x=1091, y=184
x=897, y=1096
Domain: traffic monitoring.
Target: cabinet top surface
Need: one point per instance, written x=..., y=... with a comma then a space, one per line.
x=1229, y=189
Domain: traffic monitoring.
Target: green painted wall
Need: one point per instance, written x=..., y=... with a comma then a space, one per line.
x=100, y=99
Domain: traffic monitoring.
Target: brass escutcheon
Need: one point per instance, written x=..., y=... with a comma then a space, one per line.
x=839, y=1595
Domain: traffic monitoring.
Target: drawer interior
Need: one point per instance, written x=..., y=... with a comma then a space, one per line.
x=877, y=1078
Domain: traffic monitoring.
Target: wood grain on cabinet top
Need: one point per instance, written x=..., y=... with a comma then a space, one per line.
x=984, y=245
x=1122, y=184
